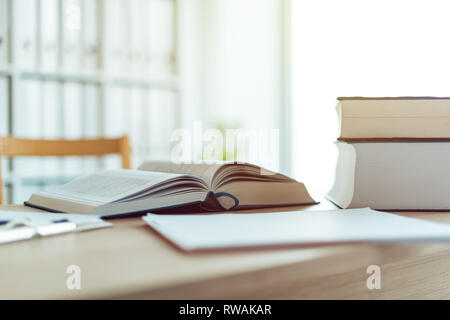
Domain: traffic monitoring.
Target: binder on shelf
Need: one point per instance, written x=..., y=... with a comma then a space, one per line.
x=90, y=122
x=115, y=118
x=71, y=48
x=25, y=27
x=161, y=45
x=161, y=105
x=90, y=35
x=137, y=129
x=72, y=120
x=4, y=112
x=90, y=111
x=52, y=113
x=115, y=35
x=4, y=125
x=27, y=169
x=138, y=39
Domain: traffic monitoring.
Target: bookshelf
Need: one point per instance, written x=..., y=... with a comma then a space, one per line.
x=86, y=68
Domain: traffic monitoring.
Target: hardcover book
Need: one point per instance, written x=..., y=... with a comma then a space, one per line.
x=393, y=176
x=157, y=186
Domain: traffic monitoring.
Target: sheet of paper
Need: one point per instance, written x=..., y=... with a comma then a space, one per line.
x=108, y=186
x=24, y=225
x=197, y=232
x=82, y=221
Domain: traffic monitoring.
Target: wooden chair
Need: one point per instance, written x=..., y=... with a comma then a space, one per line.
x=10, y=147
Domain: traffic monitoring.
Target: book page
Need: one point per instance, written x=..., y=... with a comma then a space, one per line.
x=204, y=171
x=108, y=186
x=241, y=184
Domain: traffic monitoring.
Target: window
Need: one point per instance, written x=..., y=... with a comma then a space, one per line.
x=86, y=68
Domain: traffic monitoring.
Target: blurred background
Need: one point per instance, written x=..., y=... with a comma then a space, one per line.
x=89, y=68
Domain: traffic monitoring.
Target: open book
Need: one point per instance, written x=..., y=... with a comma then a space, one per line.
x=157, y=186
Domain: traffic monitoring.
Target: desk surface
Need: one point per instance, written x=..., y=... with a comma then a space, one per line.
x=131, y=261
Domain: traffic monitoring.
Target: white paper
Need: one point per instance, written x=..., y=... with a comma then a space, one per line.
x=108, y=186
x=197, y=232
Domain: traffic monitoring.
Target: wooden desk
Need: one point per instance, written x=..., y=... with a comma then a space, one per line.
x=131, y=261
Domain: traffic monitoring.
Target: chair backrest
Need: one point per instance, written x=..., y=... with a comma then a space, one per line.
x=10, y=147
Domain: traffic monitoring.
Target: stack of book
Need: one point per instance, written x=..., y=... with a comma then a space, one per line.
x=394, y=153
